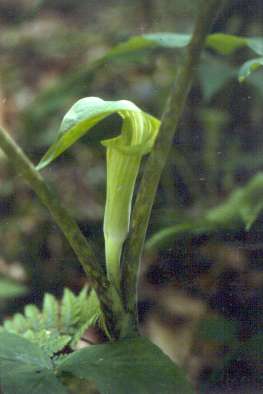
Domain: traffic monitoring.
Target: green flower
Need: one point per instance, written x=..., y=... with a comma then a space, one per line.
x=124, y=153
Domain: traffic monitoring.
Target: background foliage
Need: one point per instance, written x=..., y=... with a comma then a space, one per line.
x=201, y=288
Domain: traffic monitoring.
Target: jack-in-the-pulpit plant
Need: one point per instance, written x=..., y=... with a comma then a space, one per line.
x=124, y=153
x=37, y=349
x=46, y=334
x=35, y=342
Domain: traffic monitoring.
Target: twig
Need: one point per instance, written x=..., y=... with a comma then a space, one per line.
x=67, y=224
x=153, y=168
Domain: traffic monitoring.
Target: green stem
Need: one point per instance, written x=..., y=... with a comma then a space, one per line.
x=69, y=227
x=154, y=166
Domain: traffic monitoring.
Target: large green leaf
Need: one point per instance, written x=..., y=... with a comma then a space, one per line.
x=241, y=208
x=20, y=379
x=134, y=366
x=25, y=368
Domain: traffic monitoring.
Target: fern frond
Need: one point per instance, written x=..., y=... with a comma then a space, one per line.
x=17, y=325
x=89, y=308
x=50, y=341
x=50, y=311
x=89, y=313
x=58, y=324
x=70, y=312
x=34, y=317
x=58, y=358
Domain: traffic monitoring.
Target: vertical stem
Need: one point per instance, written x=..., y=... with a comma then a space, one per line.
x=158, y=157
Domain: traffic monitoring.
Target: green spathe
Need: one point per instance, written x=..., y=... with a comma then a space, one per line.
x=124, y=154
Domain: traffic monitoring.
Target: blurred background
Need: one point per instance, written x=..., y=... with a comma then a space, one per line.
x=201, y=289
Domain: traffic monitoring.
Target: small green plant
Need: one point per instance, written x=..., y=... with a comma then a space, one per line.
x=58, y=324
x=36, y=344
x=38, y=349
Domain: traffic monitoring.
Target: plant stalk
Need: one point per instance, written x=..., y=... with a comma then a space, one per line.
x=156, y=161
x=69, y=227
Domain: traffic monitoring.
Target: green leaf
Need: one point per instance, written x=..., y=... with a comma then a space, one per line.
x=78, y=313
x=50, y=311
x=248, y=67
x=89, y=307
x=250, y=200
x=137, y=44
x=256, y=44
x=241, y=208
x=49, y=341
x=131, y=46
x=70, y=311
x=50, y=102
x=13, y=346
x=133, y=366
x=18, y=324
x=58, y=324
x=168, y=40
x=26, y=379
x=224, y=44
x=214, y=74
x=11, y=289
x=24, y=368
x=90, y=313
x=32, y=313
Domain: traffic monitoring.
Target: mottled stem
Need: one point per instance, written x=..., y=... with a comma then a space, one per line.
x=156, y=161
